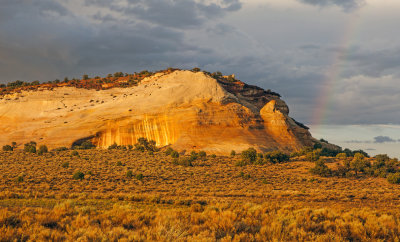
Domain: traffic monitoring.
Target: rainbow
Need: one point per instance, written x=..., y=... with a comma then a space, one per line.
x=323, y=102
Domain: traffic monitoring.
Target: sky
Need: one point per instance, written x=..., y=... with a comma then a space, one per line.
x=335, y=62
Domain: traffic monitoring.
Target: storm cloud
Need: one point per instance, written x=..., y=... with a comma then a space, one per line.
x=347, y=5
x=383, y=139
x=289, y=50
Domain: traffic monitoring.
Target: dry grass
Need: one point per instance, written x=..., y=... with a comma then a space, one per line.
x=212, y=200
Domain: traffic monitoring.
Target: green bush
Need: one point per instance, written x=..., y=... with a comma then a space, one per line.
x=359, y=164
x=202, y=154
x=196, y=69
x=8, y=148
x=30, y=147
x=174, y=154
x=394, y=178
x=233, y=153
x=168, y=151
x=113, y=146
x=61, y=149
x=321, y=169
x=119, y=163
x=129, y=174
x=185, y=161
x=144, y=144
x=78, y=175
x=75, y=153
x=87, y=145
x=20, y=178
x=276, y=157
x=249, y=155
x=313, y=155
x=42, y=149
x=244, y=176
x=193, y=156
x=65, y=165
x=242, y=163
x=341, y=156
x=139, y=176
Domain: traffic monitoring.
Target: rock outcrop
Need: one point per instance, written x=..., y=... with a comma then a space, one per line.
x=185, y=109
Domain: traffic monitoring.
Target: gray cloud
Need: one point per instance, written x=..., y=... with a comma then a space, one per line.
x=347, y=5
x=357, y=141
x=49, y=40
x=383, y=139
x=288, y=51
x=172, y=13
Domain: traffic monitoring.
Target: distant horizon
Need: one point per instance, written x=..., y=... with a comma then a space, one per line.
x=373, y=139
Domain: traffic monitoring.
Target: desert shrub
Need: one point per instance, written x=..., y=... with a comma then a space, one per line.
x=8, y=148
x=75, y=153
x=276, y=157
x=139, y=176
x=20, y=178
x=394, y=178
x=304, y=150
x=341, y=171
x=168, y=151
x=359, y=164
x=341, y=156
x=30, y=147
x=113, y=146
x=145, y=145
x=129, y=174
x=365, y=154
x=295, y=154
x=202, y=154
x=321, y=169
x=42, y=149
x=242, y=162
x=249, y=155
x=196, y=69
x=260, y=160
x=174, y=154
x=87, y=145
x=213, y=155
x=85, y=77
x=119, y=163
x=60, y=149
x=118, y=74
x=244, y=176
x=193, y=156
x=313, y=155
x=317, y=146
x=392, y=165
x=329, y=152
x=185, y=161
x=65, y=165
x=233, y=153
x=78, y=175
x=381, y=159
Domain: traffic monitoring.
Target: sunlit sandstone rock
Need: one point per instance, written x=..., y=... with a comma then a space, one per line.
x=187, y=110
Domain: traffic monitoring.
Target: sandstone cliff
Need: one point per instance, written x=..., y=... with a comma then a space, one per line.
x=189, y=110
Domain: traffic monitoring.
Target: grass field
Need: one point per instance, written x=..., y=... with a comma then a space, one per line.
x=130, y=195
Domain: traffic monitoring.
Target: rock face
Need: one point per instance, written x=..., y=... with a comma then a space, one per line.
x=187, y=110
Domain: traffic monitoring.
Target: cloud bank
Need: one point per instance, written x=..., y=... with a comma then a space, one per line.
x=289, y=50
